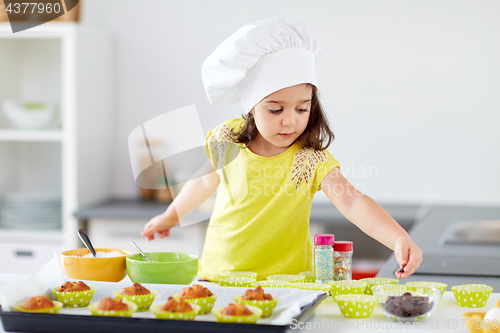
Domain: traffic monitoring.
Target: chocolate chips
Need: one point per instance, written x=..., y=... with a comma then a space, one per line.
x=407, y=305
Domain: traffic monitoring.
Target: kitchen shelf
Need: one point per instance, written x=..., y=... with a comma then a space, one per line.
x=29, y=135
x=67, y=65
x=31, y=236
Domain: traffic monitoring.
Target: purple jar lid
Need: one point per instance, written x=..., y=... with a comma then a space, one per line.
x=324, y=239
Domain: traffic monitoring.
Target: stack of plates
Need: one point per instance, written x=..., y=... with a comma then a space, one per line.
x=31, y=211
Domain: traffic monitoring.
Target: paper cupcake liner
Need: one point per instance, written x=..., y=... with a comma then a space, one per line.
x=371, y=282
x=132, y=307
x=286, y=277
x=236, y=281
x=271, y=284
x=472, y=295
x=347, y=287
x=230, y=274
x=252, y=319
x=356, y=306
x=438, y=285
x=267, y=307
x=175, y=315
x=325, y=287
x=74, y=299
x=55, y=309
x=143, y=302
x=206, y=303
x=310, y=277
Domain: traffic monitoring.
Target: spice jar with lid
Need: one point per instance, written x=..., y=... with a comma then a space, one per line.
x=323, y=257
x=343, y=260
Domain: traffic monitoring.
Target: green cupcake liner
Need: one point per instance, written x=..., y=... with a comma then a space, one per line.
x=472, y=295
x=325, y=287
x=55, y=309
x=356, y=306
x=271, y=284
x=206, y=303
x=347, y=287
x=175, y=315
x=371, y=282
x=143, y=302
x=229, y=274
x=286, y=277
x=132, y=307
x=400, y=289
x=74, y=299
x=310, y=277
x=252, y=319
x=236, y=281
x=267, y=307
x=438, y=285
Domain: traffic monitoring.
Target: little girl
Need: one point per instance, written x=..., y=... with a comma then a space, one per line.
x=260, y=221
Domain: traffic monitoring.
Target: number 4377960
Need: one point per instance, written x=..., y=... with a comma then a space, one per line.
x=471, y=323
x=33, y=7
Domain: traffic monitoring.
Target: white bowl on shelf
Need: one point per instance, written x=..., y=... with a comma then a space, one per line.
x=29, y=115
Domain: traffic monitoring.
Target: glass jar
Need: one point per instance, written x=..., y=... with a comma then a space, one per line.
x=343, y=261
x=323, y=257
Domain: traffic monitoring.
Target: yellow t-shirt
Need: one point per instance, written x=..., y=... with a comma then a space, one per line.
x=260, y=221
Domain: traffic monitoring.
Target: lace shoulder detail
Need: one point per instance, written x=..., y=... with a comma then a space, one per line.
x=218, y=142
x=304, y=165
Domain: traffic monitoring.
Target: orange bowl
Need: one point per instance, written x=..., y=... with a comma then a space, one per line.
x=112, y=269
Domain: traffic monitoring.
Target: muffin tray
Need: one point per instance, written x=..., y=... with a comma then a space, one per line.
x=63, y=323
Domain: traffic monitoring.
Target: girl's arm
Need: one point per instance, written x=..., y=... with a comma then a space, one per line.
x=194, y=193
x=373, y=220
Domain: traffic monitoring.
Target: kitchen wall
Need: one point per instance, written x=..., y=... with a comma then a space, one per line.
x=411, y=87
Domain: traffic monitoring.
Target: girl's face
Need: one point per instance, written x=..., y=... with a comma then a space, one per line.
x=282, y=116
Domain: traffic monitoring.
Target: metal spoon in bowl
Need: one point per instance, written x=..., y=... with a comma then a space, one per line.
x=86, y=241
x=138, y=249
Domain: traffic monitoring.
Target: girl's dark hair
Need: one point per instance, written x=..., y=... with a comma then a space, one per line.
x=317, y=134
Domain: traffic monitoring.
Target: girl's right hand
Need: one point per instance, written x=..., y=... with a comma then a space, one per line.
x=160, y=224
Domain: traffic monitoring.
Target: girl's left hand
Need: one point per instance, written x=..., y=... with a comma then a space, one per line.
x=408, y=255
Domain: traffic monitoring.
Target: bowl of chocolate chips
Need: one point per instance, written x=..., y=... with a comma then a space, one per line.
x=407, y=303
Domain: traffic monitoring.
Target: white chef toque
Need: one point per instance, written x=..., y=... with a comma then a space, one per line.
x=259, y=59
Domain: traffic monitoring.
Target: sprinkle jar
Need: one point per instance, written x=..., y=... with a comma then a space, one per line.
x=323, y=257
x=343, y=261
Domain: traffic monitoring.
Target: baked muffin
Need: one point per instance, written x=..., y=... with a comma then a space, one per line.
x=176, y=306
x=236, y=310
x=195, y=291
x=73, y=286
x=135, y=289
x=256, y=295
x=112, y=304
x=37, y=303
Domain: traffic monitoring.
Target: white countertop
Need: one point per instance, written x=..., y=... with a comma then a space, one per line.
x=447, y=317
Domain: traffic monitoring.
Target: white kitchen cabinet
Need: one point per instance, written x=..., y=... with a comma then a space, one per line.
x=113, y=233
x=70, y=66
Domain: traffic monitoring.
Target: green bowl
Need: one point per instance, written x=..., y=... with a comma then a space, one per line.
x=472, y=295
x=165, y=268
